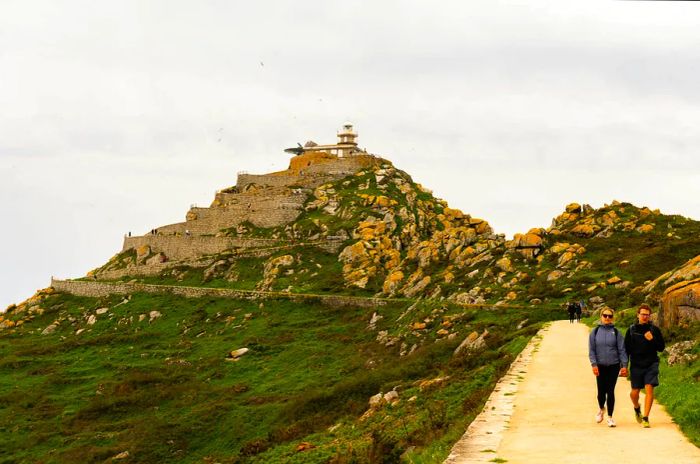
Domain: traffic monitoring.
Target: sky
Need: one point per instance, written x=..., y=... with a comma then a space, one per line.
x=116, y=117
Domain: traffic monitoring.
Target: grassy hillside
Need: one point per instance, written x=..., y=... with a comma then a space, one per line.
x=163, y=390
x=85, y=380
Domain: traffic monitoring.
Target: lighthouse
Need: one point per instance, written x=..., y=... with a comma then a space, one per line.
x=346, y=140
x=346, y=145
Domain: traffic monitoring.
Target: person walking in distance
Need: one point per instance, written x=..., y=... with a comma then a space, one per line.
x=606, y=351
x=572, y=312
x=579, y=310
x=642, y=341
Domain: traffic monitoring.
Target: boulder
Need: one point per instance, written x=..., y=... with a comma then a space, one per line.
x=392, y=282
x=376, y=401
x=473, y=342
x=680, y=304
x=412, y=289
x=573, y=208
x=153, y=315
x=101, y=311
x=585, y=230
x=679, y=353
x=373, y=321
x=49, y=329
x=505, y=265
x=235, y=355
x=391, y=397
x=432, y=383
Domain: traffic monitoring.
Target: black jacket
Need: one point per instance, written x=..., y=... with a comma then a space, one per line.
x=641, y=351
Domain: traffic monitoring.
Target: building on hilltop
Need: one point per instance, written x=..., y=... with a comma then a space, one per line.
x=345, y=147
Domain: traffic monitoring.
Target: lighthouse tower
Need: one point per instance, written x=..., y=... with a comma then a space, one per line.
x=346, y=140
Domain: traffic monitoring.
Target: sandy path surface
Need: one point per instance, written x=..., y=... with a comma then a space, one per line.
x=553, y=415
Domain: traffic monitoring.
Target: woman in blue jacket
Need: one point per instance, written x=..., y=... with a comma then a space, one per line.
x=606, y=351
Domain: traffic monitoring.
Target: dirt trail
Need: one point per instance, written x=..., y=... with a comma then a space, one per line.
x=553, y=414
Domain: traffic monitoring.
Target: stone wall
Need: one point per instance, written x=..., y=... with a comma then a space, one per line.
x=183, y=247
x=260, y=210
x=192, y=251
x=273, y=204
x=102, y=289
x=313, y=175
x=245, y=180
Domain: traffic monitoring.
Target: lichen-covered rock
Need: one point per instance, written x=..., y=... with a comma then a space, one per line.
x=688, y=271
x=49, y=329
x=272, y=270
x=505, y=265
x=679, y=353
x=412, y=290
x=473, y=342
x=573, y=208
x=585, y=230
x=392, y=282
x=528, y=245
x=680, y=304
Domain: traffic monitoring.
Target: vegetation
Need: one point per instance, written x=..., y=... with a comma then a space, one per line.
x=163, y=390
x=85, y=379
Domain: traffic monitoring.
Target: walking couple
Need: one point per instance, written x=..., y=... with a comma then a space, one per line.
x=609, y=354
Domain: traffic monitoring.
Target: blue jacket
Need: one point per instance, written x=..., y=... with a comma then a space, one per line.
x=606, y=349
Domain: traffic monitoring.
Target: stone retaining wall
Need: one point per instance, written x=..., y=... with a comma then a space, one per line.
x=313, y=175
x=102, y=289
x=263, y=212
x=178, y=248
x=181, y=248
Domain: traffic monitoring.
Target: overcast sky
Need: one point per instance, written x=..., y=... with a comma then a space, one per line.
x=118, y=116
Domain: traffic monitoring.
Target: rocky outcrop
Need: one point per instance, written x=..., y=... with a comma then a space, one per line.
x=688, y=271
x=680, y=304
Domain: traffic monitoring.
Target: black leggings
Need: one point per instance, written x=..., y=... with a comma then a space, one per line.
x=606, y=381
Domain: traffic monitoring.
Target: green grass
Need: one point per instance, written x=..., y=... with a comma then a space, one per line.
x=164, y=391
x=679, y=392
x=679, y=385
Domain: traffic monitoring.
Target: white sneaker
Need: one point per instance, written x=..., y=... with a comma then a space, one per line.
x=611, y=422
x=599, y=417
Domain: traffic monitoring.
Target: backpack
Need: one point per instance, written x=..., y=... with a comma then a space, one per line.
x=595, y=332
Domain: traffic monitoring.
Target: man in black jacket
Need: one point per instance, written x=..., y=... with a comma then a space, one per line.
x=642, y=341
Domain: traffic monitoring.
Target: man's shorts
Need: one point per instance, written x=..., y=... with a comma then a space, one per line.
x=640, y=376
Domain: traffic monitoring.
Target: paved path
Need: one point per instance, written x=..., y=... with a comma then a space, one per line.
x=553, y=402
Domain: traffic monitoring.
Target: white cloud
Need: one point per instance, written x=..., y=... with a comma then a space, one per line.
x=117, y=117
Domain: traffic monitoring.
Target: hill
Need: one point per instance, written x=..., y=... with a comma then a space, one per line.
x=332, y=312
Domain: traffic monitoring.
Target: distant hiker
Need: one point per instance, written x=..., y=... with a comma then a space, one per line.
x=187, y=232
x=642, y=341
x=572, y=311
x=129, y=233
x=606, y=351
x=577, y=307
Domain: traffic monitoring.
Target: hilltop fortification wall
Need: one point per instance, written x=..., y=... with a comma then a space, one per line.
x=313, y=174
x=189, y=247
x=261, y=210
